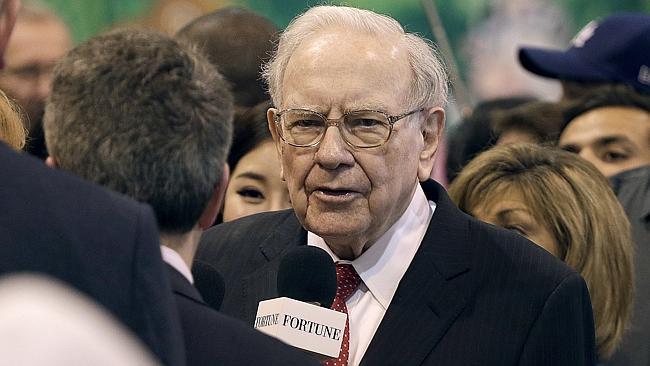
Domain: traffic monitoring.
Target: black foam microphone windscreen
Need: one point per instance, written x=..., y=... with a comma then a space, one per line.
x=308, y=274
x=209, y=283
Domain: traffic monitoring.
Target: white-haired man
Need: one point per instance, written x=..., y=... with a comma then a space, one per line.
x=358, y=117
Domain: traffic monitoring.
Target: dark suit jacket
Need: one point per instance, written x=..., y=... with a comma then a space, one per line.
x=215, y=339
x=474, y=294
x=632, y=188
x=100, y=243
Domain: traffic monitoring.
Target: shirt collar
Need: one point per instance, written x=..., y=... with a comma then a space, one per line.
x=383, y=265
x=171, y=257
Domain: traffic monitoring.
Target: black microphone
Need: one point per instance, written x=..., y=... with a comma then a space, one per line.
x=209, y=283
x=306, y=281
x=308, y=274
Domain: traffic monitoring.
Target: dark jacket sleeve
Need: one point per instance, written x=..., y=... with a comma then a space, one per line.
x=563, y=334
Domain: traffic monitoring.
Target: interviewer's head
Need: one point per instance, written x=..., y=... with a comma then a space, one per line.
x=146, y=116
x=349, y=184
x=565, y=205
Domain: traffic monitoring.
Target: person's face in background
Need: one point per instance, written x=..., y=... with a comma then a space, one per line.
x=255, y=185
x=32, y=52
x=507, y=208
x=614, y=139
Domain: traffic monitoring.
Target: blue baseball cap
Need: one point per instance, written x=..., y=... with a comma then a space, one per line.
x=615, y=49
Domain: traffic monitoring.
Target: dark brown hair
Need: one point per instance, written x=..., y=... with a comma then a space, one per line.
x=146, y=116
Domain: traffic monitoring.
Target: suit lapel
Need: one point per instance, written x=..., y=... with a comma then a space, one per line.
x=262, y=283
x=433, y=291
x=181, y=286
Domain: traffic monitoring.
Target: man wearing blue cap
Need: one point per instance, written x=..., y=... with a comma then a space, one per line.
x=612, y=50
x=607, y=67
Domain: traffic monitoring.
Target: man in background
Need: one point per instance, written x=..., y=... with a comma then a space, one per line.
x=237, y=41
x=610, y=128
x=144, y=115
x=607, y=70
x=39, y=40
x=605, y=52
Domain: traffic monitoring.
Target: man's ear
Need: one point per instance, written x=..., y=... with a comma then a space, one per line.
x=214, y=204
x=8, y=13
x=270, y=117
x=51, y=162
x=432, y=130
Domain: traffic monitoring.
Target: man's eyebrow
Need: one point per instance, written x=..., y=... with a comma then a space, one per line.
x=612, y=139
x=252, y=175
x=374, y=105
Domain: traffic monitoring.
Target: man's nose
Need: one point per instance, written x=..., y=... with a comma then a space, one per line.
x=332, y=151
x=43, y=85
x=588, y=155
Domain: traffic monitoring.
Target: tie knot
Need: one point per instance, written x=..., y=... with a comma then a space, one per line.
x=347, y=280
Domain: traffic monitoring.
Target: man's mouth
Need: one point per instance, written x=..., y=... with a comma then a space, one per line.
x=335, y=195
x=335, y=192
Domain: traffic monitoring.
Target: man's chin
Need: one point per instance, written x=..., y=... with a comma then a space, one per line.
x=339, y=225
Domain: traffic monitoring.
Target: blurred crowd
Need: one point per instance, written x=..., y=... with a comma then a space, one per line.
x=186, y=125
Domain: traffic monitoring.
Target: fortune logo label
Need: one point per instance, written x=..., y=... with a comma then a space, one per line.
x=306, y=326
x=644, y=75
x=266, y=320
x=309, y=326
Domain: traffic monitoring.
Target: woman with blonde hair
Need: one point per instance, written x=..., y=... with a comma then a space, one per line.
x=562, y=203
x=12, y=130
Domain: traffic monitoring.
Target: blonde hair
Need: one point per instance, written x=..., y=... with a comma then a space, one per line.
x=12, y=130
x=575, y=203
x=429, y=86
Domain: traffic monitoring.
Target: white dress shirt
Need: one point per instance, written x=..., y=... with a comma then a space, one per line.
x=381, y=268
x=171, y=257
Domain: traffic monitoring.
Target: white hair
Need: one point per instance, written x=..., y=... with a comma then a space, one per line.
x=429, y=85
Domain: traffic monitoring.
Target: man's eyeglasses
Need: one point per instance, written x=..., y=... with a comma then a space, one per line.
x=361, y=129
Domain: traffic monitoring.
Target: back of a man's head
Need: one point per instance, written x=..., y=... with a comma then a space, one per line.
x=238, y=42
x=146, y=116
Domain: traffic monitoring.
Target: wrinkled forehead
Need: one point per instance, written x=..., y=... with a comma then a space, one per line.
x=351, y=62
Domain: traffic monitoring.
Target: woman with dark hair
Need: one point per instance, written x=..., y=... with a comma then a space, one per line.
x=255, y=184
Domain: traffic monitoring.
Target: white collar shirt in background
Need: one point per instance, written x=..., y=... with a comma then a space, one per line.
x=381, y=268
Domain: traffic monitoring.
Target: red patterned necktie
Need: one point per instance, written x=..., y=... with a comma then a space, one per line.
x=347, y=281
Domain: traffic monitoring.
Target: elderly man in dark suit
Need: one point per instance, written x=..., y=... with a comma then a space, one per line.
x=98, y=242
x=147, y=116
x=358, y=117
